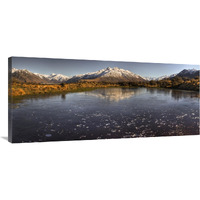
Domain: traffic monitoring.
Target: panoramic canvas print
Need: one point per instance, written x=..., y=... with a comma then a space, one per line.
x=65, y=99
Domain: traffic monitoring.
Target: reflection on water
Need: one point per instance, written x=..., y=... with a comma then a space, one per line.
x=115, y=94
x=175, y=94
x=63, y=96
x=106, y=113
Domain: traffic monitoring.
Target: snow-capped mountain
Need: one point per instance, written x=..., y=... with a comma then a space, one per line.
x=189, y=73
x=165, y=77
x=14, y=70
x=159, y=78
x=23, y=75
x=54, y=77
x=186, y=73
x=108, y=75
x=58, y=77
x=20, y=70
x=149, y=78
x=41, y=75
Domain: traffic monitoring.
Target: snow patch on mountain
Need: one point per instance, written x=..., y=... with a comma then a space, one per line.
x=182, y=73
x=58, y=77
x=20, y=70
x=159, y=78
x=165, y=77
x=54, y=77
x=192, y=70
x=41, y=75
x=14, y=70
x=149, y=78
x=188, y=71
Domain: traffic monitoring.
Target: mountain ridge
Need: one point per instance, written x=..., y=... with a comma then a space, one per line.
x=24, y=75
x=185, y=73
x=108, y=74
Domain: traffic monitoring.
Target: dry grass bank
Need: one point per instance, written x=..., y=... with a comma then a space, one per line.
x=23, y=89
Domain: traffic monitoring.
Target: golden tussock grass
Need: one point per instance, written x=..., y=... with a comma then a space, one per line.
x=22, y=89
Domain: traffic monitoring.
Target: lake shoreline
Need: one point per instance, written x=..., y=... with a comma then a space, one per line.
x=27, y=88
x=79, y=89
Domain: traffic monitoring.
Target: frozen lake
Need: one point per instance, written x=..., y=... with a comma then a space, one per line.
x=106, y=113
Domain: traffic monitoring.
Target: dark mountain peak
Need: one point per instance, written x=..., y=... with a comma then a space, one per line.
x=108, y=68
x=188, y=73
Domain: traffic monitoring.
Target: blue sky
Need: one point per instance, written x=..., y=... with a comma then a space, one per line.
x=71, y=67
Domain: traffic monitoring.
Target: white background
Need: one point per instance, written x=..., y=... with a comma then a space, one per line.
x=145, y=31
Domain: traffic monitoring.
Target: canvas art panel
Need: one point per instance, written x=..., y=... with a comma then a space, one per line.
x=65, y=99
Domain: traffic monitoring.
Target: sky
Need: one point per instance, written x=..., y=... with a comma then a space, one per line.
x=70, y=67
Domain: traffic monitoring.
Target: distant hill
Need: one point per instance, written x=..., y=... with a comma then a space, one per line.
x=109, y=74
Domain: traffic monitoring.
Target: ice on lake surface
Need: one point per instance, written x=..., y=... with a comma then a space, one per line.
x=106, y=113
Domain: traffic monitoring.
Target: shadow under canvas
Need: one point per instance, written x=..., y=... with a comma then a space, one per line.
x=5, y=138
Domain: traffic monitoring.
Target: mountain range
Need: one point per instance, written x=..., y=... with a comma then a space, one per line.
x=160, y=78
x=105, y=75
